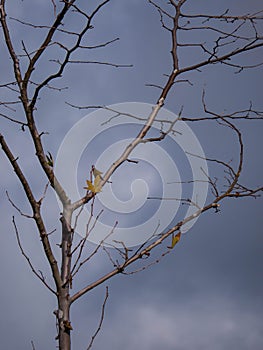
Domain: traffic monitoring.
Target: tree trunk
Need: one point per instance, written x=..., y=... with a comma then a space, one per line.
x=63, y=317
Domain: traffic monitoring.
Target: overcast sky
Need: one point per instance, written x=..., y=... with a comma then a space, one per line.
x=205, y=294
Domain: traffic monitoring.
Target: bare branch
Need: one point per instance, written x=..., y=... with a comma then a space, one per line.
x=69, y=52
x=36, y=212
x=33, y=345
x=99, y=45
x=39, y=275
x=16, y=207
x=101, y=63
x=101, y=319
x=45, y=43
x=10, y=47
x=14, y=121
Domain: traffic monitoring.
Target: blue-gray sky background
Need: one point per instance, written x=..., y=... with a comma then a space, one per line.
x=206, y=294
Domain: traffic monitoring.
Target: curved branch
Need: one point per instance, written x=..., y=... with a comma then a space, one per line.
x=40, y=276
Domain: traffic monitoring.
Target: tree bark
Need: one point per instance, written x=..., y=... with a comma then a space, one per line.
x=63, y=314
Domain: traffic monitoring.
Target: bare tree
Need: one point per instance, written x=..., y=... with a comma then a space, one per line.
x=208, y=40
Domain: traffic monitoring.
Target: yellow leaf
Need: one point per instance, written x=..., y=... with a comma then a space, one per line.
x=90, y=186
x=96, y=187
x=175, y=239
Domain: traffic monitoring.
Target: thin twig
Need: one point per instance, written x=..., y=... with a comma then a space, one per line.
x=39, y=275
x=101, y=319
x=33, y=345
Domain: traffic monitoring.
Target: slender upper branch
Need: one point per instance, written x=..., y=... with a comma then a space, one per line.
x=70, y=51
x=46, y=42
x=9, y=45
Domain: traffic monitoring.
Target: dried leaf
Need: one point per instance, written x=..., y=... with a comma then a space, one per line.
x=94, y=188
x=175, y=240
